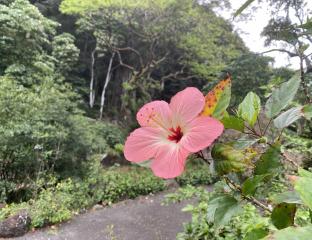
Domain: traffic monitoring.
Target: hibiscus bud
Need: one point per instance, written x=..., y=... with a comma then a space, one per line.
x=228, y=159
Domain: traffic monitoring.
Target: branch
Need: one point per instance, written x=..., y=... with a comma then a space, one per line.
x=251, y=199
x=236, y=187
x=132, y=50
x=176, y=75
x=122, y=63
x=173, y=75
x=291, y=54
x=160, y=60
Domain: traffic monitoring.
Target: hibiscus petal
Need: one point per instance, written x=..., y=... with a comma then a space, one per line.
x=155, y=114
x=169, y=161
x=201, y=133
x=186, y=105
x=142, y=144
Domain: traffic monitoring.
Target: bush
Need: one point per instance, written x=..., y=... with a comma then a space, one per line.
x=42, y=129
x=40, y=133
x=196, y=173
x=130, y=185
x=33, y=128
x=117, y=183
x=200, y=229
x=113, y=134
x=53, y=202
x=60, y=201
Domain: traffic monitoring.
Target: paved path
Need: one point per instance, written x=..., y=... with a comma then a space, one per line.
x=141, y=219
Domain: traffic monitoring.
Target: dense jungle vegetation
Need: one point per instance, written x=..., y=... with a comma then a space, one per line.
x=74, y=73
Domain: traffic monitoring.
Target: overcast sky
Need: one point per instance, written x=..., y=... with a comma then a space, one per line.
x=250, y=31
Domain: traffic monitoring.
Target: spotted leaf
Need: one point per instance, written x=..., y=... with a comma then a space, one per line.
x=218, y=99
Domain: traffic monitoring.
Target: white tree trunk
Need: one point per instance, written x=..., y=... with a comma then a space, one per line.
x=92, y=92
x=108, y=78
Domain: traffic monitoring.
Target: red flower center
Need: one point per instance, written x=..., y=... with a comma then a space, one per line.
x=176, y=134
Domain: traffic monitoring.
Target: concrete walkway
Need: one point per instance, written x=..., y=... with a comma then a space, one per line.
x=143, y=218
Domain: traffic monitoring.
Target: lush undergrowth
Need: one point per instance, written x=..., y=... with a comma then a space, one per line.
x=60, y=201
x=239, y=227
x=197, y=173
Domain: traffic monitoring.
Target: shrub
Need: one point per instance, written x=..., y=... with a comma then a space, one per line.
x=50, y=207
x=200, y=229
x=53, y=202
x=117, y=183
x=58, y=202
x=196, y=173
x=113, y=134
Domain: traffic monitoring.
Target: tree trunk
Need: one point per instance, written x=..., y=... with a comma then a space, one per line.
x=108, y=77
x=92, y=92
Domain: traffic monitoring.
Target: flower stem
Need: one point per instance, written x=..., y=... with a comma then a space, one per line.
x=251, y=199
x=236, y=187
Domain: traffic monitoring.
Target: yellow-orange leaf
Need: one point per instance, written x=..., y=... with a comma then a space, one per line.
x=213, y=97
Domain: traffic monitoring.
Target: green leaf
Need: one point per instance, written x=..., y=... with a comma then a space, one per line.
x=243, y=7
x=303, y=187
x=221, y=209
x=282, y=96
x=292, y=233
x=307, y=25
x=307, y=111
x=250, y=186
x=269, y=161
x=188, y=208
x=288, y=117
x=286, y=197
x=256, y=233
x=228, y=159
x=249, y=109
x=244, y=142
x=232, y=122
x=223, y=103
x=304, y=173
x=283, y=215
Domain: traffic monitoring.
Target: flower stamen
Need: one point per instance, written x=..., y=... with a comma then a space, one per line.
x=176, y=134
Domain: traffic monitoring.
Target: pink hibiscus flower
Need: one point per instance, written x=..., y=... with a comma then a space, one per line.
x=169, y=133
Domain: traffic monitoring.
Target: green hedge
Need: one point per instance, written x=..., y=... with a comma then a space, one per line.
x=196, y=173
x=59, y=201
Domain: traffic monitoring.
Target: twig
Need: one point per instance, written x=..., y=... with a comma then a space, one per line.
x=251, y=199
x=250, y=133
x=290, y=160
x=253, y=131
x=201, y=156
x=267, y=126
x=236, y=187
x=280, y=135
x=259, y=127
